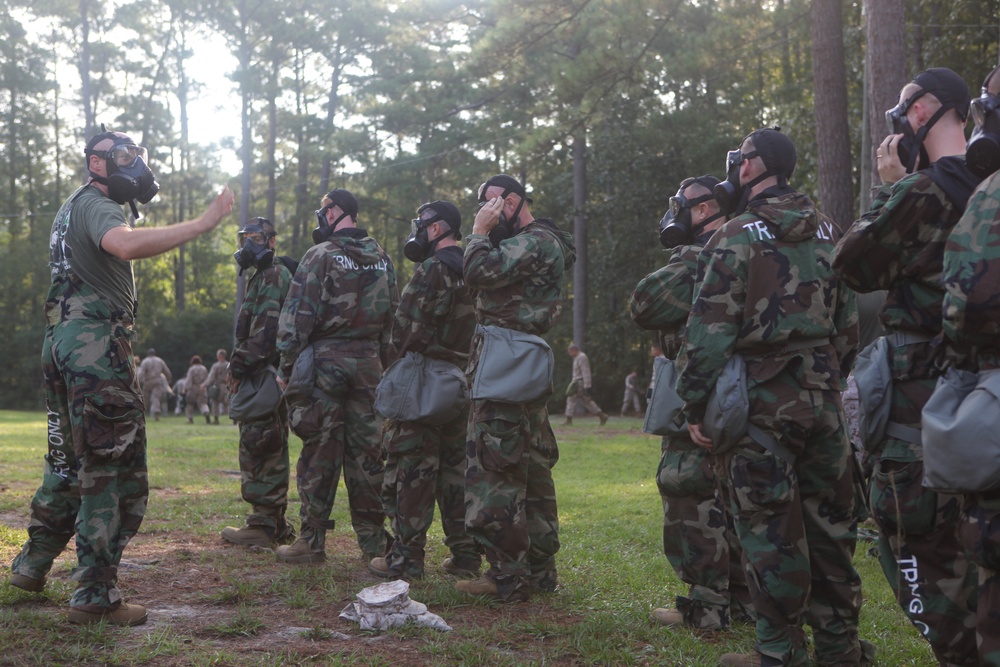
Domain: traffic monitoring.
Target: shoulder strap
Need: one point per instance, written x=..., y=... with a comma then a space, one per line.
x=770, y=444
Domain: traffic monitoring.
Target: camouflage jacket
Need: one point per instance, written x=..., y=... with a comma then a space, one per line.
x=971, y=300
x=151, y=368
x=435, y=316
x=898, y=246
x=520, y=283
x=257, y=322
x=764, y=281
x=662, y=300
x=344, y=289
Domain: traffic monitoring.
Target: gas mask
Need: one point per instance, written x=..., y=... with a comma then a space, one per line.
x=982, y=154
x=731, y=195
x=676, y=227
x=254, y=246
x=912, y=154
x=418, y=246
x=505, y=226
x=129, y=178
x=324, y=230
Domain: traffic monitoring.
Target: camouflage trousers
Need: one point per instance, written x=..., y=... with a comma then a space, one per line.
x=339, y=429
x=94, y=485
x=155, y=398
x=795, y=522
x=219, y=406
x=920, y=549
x=699, y=538
x=510, y=498
x=981, y=538
x=424, y=464
x=264, y=470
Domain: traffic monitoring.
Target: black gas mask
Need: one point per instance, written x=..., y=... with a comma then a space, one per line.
x=505, y=227
x=912, y=154
x=676, y=226
x=418, y=246
x=254, y=245
x=129, y=178
x=731, y=195
x=324, y=230
x=982, y=154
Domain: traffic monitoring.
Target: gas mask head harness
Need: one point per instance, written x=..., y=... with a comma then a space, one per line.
x=982, y=154
x=950, y=90
x=128, y=175
x=777, y=153
x=347, y=202
x=505, y=227
x=254, y=242
x=419, y=246
x=676, y=226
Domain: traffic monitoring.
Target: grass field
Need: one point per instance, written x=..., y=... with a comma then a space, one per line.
x=214, y=604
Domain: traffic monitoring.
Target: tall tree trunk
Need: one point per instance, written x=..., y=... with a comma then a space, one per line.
x=302, y=158
x=90, y=123
x=180, y=293
x=332, y=105
x=885, y=66
x=579, y=151
x=272, y=137
x=830, y=103
x=246, y=152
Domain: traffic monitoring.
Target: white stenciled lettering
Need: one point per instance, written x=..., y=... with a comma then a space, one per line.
x=759, y=230
x=57, y=457
x=350, y=263
x=825, y=230
x=910, y=571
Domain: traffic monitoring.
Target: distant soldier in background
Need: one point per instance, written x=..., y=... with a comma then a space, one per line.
x=195, y=396
x=215, y=386
x=152, y=373
x=580, y=387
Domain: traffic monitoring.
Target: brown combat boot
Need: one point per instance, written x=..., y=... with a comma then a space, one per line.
x=480, y=586
x=249, y=536
x=568, y=422
x=461, y=568
x=740, y=660
x=124, y=614
x=26, y=583
x=300, y=552
x=668, y=617
x=603, y=417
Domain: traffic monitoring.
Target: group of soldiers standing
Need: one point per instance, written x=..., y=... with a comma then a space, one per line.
x=763, y=529
x=200, y=389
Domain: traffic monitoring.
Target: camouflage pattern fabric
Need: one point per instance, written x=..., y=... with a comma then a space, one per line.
x=765, y=280
x=899, y=246
x=435, y=317
x=580, y=396
x=341, y=300
x=699, y=537
x=510, y=500
x=263, y=448
x=970, y=315
x=95, y=483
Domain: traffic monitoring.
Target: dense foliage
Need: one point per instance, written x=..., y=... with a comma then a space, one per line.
x=404, y=102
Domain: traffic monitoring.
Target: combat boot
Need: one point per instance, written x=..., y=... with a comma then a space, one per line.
x=216, y=420
x=668, y=617
x=467, y=569
x=249, y=536
x=124, y=614
x=480, y=586
x=27, y=583
x=380, y=568
x=603, y=417
x=300, y=552
x=208, y=418
x=568, y=422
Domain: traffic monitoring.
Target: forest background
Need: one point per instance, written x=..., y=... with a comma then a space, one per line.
x=600, y=106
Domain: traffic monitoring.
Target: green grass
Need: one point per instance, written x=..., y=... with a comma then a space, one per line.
x=611, y=569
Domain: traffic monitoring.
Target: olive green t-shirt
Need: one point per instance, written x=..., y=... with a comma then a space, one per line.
x=77, y=246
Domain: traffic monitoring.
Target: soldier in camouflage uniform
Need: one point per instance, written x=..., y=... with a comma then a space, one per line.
x=435, y=318
x=195, y=395
x=579, y=391
x=95, y=486
x=215, y=385
x=766, y=290
x=517, y=264
x=971, y=311
x=263, y=450
x=154, y=379
x=341, y=303
x=699, y=538
x=898, y=246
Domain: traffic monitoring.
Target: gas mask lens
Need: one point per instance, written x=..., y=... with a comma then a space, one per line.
x=257, y=238
x=983, y=106
x=124, y=155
